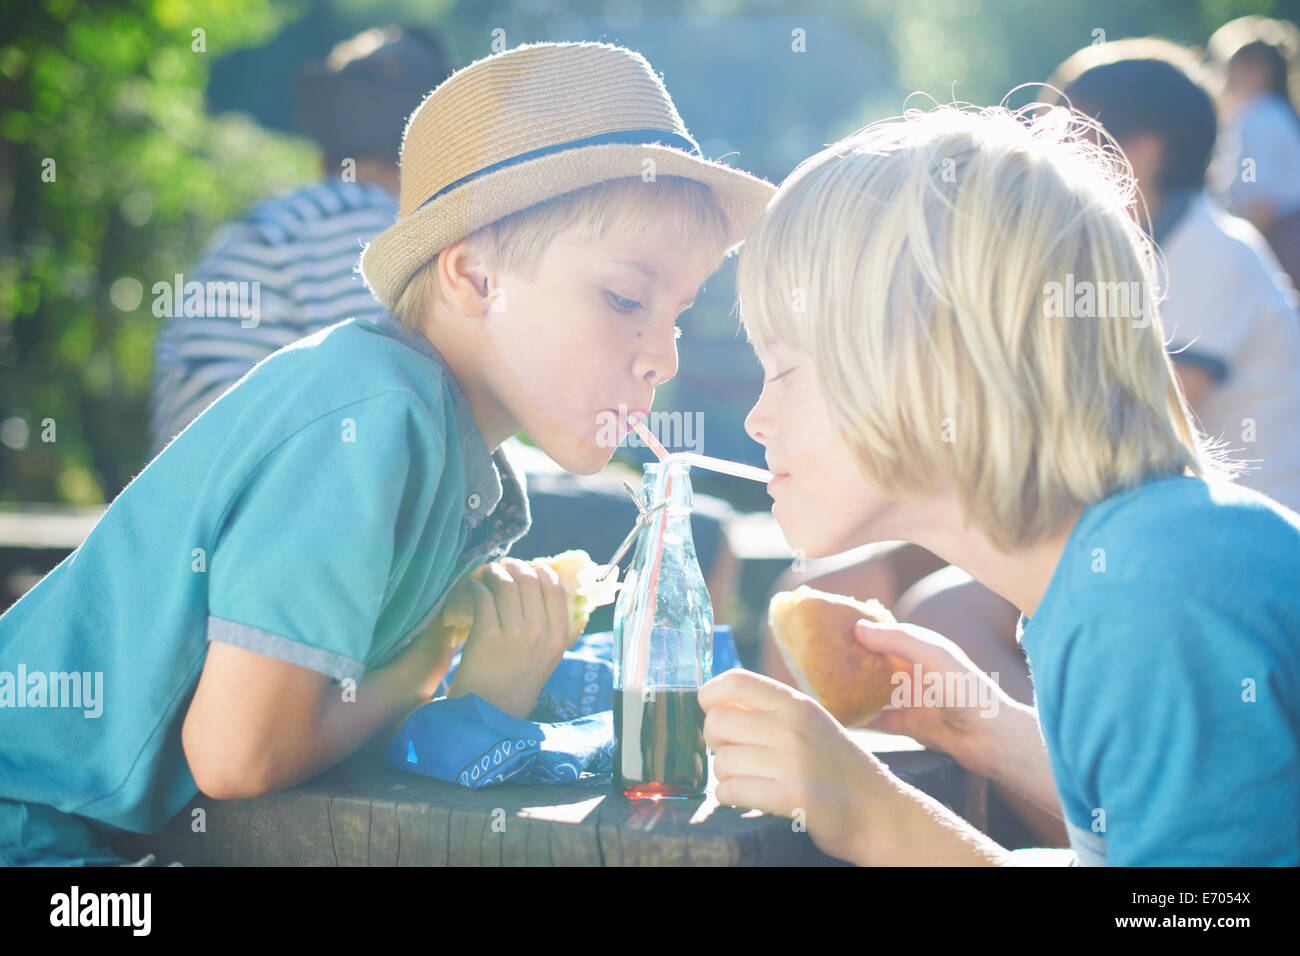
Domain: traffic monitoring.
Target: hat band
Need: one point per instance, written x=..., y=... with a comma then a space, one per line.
x=638, y=137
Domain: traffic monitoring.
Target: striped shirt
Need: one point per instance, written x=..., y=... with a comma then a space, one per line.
x=302, y=250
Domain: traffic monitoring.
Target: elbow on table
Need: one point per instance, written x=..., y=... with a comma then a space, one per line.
x=222, y=772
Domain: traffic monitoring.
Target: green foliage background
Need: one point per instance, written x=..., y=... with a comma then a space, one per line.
x=115, y=94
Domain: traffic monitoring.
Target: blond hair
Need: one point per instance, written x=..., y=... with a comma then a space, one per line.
x=912, y=262
x=515, y=243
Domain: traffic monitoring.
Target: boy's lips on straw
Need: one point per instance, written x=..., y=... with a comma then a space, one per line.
x=627, y=418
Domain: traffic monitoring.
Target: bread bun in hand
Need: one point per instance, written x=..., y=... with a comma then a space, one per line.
x=814, y=631
x=577, y=573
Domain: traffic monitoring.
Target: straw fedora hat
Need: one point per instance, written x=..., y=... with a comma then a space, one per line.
x=519, y=127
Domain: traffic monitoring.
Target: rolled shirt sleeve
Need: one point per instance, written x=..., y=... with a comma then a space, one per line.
x=308, y=551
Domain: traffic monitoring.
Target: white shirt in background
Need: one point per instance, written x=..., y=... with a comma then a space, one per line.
x=1265, y=131
x=1230, y=309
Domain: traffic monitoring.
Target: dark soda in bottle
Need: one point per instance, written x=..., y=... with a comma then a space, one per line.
x=660, y=750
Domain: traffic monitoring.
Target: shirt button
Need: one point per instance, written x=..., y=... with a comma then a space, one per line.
x=474, y=501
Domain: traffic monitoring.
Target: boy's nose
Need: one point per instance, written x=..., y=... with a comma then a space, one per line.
x=755, y=425
x=658, y=363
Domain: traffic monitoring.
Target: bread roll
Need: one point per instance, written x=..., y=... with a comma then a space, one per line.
x=457, y=615
x=814, y=631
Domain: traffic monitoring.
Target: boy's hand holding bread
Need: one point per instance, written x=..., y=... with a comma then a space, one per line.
x=845, y=653
x=815, y=633
x=787, y=752
x=516, y=619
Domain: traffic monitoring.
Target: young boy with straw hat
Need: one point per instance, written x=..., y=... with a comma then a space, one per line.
x=556, y=218
x=931, y=388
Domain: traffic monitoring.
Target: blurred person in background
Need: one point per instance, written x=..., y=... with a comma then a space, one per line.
x=303, y=247
x=1256, y=170
x=1228, y=308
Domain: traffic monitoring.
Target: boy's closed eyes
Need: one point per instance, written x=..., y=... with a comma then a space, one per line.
x=813, y=464
x=649, y=281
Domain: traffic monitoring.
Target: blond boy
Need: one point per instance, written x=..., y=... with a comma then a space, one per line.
x=925, y=384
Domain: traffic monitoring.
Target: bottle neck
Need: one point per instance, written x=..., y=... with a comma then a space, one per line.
x=671, y=484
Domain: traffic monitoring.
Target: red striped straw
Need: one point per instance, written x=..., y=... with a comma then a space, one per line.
x=648, y=437
x=641, y=659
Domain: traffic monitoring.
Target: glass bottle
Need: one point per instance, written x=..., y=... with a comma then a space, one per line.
x=663, y=650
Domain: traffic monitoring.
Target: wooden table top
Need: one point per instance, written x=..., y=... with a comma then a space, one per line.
x=365, y=813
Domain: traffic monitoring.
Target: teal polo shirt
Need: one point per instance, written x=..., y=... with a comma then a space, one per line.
x=1165, y=656
x=316, y=513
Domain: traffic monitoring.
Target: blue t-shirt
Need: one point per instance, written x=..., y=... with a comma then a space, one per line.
x=1165, y=656
x=316, y=513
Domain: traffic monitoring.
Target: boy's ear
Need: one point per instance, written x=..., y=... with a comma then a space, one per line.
x=1146, y=154
x=463, y=279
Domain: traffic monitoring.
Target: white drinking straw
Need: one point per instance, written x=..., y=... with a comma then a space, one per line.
x=734, y=468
